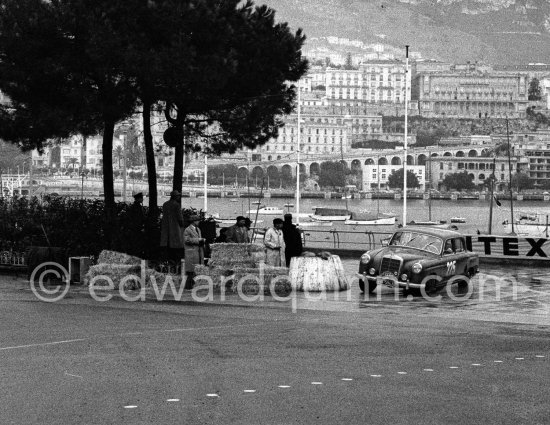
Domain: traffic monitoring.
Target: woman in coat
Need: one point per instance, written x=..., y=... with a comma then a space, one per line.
x=194, y=251
x=275, y=245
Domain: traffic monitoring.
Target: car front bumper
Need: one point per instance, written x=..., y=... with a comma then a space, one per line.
x=391, y=281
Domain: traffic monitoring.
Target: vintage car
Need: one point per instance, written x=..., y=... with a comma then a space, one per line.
x=418, y=258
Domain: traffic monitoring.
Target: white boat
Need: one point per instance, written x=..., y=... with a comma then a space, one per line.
x=529, y=224
x=458, y=220
x=330, y=214
x=233, y=200
x=267, y=211
x=367, y=218
x=256, y=203
x=314, y=224
x=441, y=223
x=232, y=221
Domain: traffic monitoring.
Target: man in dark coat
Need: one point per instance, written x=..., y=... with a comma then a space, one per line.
x=135, y=224
x=293, y=239
x=238, y=233
x=171, y=227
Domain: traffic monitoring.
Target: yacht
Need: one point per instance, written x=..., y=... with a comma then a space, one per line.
x=330, y=214
x=267, y=211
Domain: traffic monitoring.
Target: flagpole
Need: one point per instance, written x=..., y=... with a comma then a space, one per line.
x=405, y=138
x=492, y=196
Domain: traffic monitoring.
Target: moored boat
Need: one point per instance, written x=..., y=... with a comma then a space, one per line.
x=458, y=220
x=267, y=211
x=330, y=214
x=367, y=218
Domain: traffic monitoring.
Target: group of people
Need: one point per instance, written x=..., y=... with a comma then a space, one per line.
x=282, y=241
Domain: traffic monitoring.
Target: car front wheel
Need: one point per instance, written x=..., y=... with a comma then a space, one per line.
x=371, y=286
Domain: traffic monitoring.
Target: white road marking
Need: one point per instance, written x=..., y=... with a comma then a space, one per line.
x=540, y=357
x=249, y=391
x=347, y=379
x=130, y=407
x=43, y=344
x=428, y=370
x=173, y=399
x=284, y=386
x=476, y=364
x=453, y=367
x=316, y=383
x=376, y=376
x=519, y=358
x=402, y=373
x=75, y=376
x=497, y=361
x=212, y=395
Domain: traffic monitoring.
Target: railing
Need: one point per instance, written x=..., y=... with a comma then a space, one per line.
x=345, y=238
x=12, y=259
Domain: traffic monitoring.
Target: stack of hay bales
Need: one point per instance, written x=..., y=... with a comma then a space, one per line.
x=318, y=273
x=116, y=267
x=241, y=267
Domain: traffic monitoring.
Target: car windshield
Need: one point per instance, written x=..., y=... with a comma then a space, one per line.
x=417, y=240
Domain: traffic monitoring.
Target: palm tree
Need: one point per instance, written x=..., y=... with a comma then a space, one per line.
x=72, y=161
x=119, y=154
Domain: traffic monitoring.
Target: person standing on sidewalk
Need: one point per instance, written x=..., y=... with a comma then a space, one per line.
x=275, y=244
x=194, y=249
x=171, y=228
x=293, y=239
x=238, y=233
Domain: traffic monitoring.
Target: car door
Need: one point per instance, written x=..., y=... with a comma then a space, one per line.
x=461, y=256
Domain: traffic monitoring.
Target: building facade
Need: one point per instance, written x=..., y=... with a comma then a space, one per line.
x=470, y=93
x=480, y=168
x=376, y=176
x=377, y=81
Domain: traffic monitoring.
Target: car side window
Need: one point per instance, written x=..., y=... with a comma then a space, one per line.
x=448, y=247
x=458, y=245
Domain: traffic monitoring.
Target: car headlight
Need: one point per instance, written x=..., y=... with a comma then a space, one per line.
x=365, y=258
x=404, y=277
x=417, y=268
x=372, y=271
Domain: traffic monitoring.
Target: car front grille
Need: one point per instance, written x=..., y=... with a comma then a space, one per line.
x=391, y=264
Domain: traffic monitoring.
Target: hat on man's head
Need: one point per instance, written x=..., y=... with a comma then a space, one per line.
x=239, y=218
x=277, y=221
x=194, y=217
x=288, y=217
x=174, y=193
x=138, y=195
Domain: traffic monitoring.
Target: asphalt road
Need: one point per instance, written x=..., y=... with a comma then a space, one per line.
x=356, y=360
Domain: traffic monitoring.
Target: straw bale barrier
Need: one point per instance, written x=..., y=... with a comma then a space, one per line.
x=114, y=257
x=117, y=267
x=241, y=267
x=316, y=274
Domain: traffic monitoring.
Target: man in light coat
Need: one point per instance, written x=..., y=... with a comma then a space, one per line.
x=171, y=227
x=275, y=245
x=194, y=249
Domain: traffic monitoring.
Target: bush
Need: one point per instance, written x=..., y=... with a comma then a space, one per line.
x=79, y=225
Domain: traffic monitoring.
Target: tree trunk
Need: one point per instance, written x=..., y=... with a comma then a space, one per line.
x=83, y=153
x=108, y=183
x=150, y=157
x=177, y=182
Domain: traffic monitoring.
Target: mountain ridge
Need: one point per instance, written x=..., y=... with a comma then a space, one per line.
x=488, y=31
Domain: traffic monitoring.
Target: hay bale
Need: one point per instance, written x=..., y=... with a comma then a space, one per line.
x=251, y=279
x=314, y=274
x=117, y=272
x=114, y=257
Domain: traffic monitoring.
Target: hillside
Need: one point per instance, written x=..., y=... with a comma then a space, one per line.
x=490, y=31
